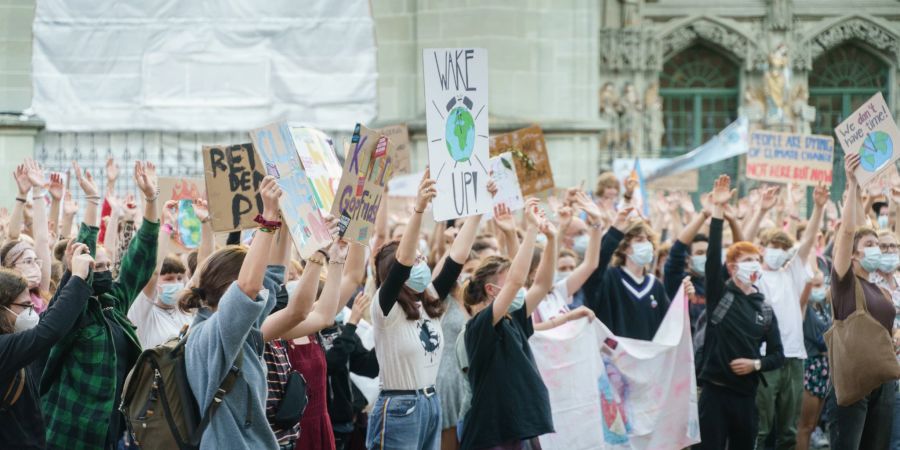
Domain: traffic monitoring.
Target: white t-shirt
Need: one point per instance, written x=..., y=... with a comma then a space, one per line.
x=155, y=325
x=408, y=351
x=782, y=289
x=555, y=304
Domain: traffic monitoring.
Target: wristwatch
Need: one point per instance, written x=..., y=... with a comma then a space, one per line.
x=757, y=365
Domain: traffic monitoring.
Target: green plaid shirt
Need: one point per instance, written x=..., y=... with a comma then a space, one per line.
x=79, y=380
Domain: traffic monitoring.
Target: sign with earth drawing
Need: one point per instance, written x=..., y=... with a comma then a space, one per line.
x=456, y=113
x=872, y=132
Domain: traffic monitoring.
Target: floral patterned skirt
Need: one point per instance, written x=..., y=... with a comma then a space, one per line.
x=815, y=375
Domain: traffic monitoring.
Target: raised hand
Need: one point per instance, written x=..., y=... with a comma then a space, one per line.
x=821, y=195
x=532, y=212
x=337, y=253
x=271, y=193
x=503, y=218
x=112, y=171
x=130, y=210
x=85, y=180
x=622, y=218
x=81, y=261
x=548, y=229
x=492, y=187
x=851, y=163
x=427, y=192
x=146, y=180
x=588, y=206
x=360, y=305
x=722, y=192
x=69, y=205
x=56, y=186
x=22, y=180
x=35, y=173
x=769, y=197
x=201, y=209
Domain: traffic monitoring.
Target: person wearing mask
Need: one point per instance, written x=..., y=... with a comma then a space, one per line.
x=731, y=365
x=783, y=279
x=888, y=279
x=31, y=259
x=409, y=341
x=86, y=370
x=688, y=259
x=630, y=301
x=25, y=336
x=510, y=403
x=345, y=353
x=817, y=319
x=155, y=312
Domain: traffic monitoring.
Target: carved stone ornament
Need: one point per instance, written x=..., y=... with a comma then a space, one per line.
x=857, y=28
x=630, y=49
x=716, y=33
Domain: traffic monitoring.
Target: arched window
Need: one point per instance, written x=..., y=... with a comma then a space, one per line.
x=840, y=81
x=699, y=87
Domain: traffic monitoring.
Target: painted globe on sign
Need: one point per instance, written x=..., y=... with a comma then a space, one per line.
x=876, y=151
x=460, y=135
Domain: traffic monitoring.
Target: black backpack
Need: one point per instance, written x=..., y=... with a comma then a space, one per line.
x=717, y=316
x=157, y=402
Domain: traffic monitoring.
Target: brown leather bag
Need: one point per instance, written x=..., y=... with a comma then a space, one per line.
x=860, y=352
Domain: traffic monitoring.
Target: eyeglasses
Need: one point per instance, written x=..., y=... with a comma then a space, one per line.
x=26, y=306
x=421, y=259
x=889, y=247
x=29, y=262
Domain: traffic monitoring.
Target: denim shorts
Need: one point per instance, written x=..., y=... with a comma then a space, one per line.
x=405, y=422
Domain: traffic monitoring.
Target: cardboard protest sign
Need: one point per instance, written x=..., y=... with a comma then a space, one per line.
x=503, y=172
x=367, y=168
x=275, y=148
x=316, y=151
x=456, y=115
x=186, y=229
x=790, y=158
x=529, y=151
x=871, y=132
x=686, y=181
x=883, y=182
x=399, y=136
x=233, y=174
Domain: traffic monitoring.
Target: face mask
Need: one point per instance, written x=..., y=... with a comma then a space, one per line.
x=641, y=253
x=871, y=259
x=168, y=292
x=25, y=320
x=748, y=271
x=888, y=262
x=102, y=282
x=580, y=244
x=519, y=301
x=419, y=277
x=291, y=286
x=32, y=275
x=341, y=316
x=561, y=276
x=817, y=294
x=775, y=258
x=882, y=221
x=698, y=263
x=540, y=239
x=463, y=277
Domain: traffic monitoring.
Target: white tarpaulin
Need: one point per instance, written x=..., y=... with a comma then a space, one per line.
x=608, y=392
x=203, y=66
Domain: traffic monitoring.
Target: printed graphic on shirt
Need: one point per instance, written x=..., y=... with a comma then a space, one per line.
x=430, y=340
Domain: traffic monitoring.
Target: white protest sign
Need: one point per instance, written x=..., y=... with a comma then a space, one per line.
x=456, y=114
x=503, y=172
x=871, y=132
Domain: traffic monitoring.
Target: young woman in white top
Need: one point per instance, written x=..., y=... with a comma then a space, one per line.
x=408, y=337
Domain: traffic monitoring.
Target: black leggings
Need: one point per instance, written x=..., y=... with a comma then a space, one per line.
x=726, y=416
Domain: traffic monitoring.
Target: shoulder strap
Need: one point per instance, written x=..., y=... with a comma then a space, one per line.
x=767, y=313
x=224, y=387
x=722, y=308
x=858, y=292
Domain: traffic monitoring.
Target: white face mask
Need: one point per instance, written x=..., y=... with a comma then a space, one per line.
x=698, y=264
x=775, y=257
x=641, y=253
x=748, y=272
x=25, y=320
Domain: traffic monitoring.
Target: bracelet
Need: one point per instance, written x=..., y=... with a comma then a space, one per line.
x=322, y=252
x=417, y=211
x=267, y=230
x=94, y=202
x=155, y=196
x=319, y=262
x=271, y=224
x=21, y=200
x=92, y=197
x=337, y=262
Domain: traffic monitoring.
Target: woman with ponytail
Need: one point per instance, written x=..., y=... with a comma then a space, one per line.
x=510, y=403
x=408, y=339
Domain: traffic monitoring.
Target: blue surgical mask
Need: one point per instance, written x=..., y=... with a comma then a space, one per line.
x=561, y=276
x=882, y=221
x=168, y=292
x=888, y=262
x=540, y=239
x=580, y=244
x=698, y=264
x=341, y=316
x=641, y=253
x=419, y=277
x=871, y=259
x=519, y=301
x=817, y=294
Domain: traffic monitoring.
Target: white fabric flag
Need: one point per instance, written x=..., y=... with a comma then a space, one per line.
x=203, y=66
x=608, y=392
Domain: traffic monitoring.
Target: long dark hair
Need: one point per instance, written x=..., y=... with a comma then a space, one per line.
x=475, y=292
x=217, y=274
x=384, y=259
x=11, y=286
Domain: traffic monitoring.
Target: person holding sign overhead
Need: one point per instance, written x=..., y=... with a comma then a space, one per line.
x=408, y=339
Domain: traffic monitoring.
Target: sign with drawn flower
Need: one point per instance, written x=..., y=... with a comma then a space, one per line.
x=529, y=152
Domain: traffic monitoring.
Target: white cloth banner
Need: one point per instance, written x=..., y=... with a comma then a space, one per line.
x=608, y=392
x=203, y=66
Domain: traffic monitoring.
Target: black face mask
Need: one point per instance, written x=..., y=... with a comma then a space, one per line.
x=102, y=282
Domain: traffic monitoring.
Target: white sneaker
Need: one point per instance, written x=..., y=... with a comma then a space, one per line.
x=818, y=439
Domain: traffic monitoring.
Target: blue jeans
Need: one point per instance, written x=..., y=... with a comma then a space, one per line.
x=865, y=424
x=405, y=422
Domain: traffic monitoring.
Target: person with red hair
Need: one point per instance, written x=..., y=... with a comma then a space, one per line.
x=739, y=322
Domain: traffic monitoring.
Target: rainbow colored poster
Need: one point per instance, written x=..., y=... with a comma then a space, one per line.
x=316, y=151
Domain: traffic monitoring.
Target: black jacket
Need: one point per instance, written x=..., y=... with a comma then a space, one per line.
x=345, y=354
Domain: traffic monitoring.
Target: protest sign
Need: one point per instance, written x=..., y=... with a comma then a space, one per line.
x=503, y=172
x=456, y=115
x=686, y=181
x=529, y=151
x=642, y=394
x=399, y=136
x=871, y=132
x=232, y=174
x=882, y=184
x=275, y=148
x=790, y=158
x=316, y=151
x=367, y=168
x=186, y=228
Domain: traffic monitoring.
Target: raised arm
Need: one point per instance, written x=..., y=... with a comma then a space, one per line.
x=326, y=308
x=70, y=208
x=354, y=273
x=250, y=278
x=518, y=270
x=843, y=239
x=17, y=220
x=91, y=195
x=41, y=227
x=111, y=236
x=546, y=269
x=820, y=197
x=301, y=302
x=591, y=260
x=381, y=220
x=55, y=189
x=506, y=223
x=715, y=279
x=768, y=199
